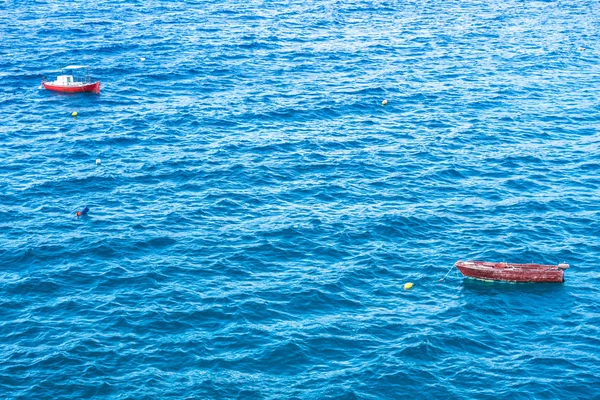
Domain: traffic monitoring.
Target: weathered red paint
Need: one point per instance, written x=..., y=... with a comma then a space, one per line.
x=90, y=87
x=501, y=271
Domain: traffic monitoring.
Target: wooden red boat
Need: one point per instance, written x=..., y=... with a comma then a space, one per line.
x=501, y=271
x=75, y=79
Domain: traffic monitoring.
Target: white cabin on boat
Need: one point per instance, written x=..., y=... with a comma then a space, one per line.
x=64, y=80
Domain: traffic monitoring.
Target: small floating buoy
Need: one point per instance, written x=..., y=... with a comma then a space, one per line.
x=82, y=212
x=581, y=49
x=98, y=162
x=408, y=286
x=74, y=114
x=142, y=59
x=383, y=103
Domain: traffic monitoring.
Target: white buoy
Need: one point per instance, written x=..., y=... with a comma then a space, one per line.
x=581, y=49
x=384, y=103
x=98, y=162
x=142, y=59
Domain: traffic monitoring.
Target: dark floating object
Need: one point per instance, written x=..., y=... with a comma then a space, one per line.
x=82, y=212
x=501, y=271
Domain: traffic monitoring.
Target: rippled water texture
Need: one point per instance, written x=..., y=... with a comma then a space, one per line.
x=258, y=211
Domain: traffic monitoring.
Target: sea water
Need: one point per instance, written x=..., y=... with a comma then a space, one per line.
x=258, y=211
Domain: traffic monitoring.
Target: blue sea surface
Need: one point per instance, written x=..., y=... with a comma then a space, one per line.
x=257, y=210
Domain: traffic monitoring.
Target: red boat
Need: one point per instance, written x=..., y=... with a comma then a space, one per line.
x=501, y=271
x=76, y=79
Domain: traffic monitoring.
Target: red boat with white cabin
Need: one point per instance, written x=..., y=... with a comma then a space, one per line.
x=502, y=271
x=75, y=79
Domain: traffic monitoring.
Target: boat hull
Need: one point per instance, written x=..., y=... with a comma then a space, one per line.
x=512, y=272
x=84, y=88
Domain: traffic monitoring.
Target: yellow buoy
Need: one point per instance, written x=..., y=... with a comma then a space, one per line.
x=74, y=114
x=383, y=103
x=408, y=285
